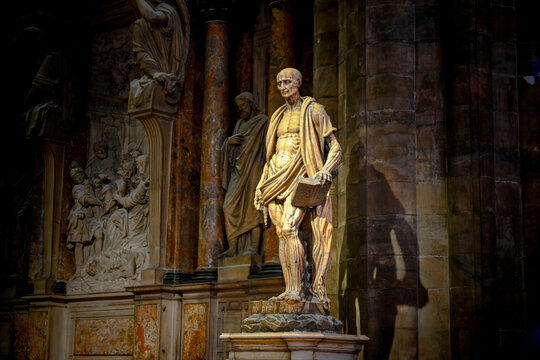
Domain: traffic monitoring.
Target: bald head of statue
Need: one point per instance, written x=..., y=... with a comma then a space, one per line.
x=288, y=82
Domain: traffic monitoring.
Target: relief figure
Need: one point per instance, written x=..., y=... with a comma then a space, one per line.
x=85, y=233
x=108, y=223
x=160, y=43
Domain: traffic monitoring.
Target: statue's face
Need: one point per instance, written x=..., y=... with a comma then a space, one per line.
x=287, y=84
x=101, y=153
x=79, y=177
x=244, y=108
x=127, y=171
x=98, y=183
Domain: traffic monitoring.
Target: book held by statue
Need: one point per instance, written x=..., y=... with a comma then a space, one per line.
x=310, y=193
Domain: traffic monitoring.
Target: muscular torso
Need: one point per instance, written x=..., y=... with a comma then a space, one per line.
x=288, y=142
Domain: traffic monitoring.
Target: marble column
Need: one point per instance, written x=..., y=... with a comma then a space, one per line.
x=244, y=63
x=214, y=131
x=281, y=48
x=183, y=229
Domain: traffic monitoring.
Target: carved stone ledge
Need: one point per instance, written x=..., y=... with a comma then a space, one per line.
x=216, y=9
x=268, y=271
x=176, y=277
x=238, y=267
x=202, y=276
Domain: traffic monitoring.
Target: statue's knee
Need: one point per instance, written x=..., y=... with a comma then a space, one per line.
x=289, y=230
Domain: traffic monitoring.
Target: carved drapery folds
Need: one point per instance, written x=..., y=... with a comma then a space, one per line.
x=243, y=157
x=160, y=43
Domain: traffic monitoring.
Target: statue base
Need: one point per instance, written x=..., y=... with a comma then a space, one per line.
x=147, y=95
x=286, y=307
x=277, y=316
x=238, y=267
x=291, y=322
x=293, y=345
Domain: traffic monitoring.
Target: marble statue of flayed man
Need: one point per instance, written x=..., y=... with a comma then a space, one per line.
x=300, y=143
x=243, y=159
x=160, y=43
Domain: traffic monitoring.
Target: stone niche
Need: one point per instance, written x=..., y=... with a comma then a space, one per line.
x=108, y=221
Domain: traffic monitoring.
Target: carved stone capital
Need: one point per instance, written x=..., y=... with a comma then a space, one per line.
x=216, y=9
x=282, y=4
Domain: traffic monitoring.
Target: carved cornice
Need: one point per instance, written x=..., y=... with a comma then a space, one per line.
x=216, y=9
x=282, y=4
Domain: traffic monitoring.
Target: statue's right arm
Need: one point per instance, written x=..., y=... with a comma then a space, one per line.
x=151, y=15
x=258, y=194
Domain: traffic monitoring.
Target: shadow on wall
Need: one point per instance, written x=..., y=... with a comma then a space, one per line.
x=383, y=290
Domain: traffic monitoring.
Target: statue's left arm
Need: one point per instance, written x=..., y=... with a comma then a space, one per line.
x=334, y=154
x=334, y=149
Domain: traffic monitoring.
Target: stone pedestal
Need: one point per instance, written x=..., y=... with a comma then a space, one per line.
x=278, y=316
x=293, y=346
x=238, y=267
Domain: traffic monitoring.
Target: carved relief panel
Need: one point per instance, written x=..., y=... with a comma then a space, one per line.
x=108, y=220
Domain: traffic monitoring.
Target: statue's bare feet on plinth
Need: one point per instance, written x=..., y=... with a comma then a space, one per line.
x=280, y=297
x=227, y=253
x=293, y=296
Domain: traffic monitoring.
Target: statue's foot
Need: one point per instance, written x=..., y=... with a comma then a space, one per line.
x=293, y=296
x=250, y=252
x=226, y=253
x=280, y=297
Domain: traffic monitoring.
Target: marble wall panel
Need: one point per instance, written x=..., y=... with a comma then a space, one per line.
x=194, y=331
x=104, y=336
x=38, y=328
x=5, y=326
x=20, y=335
x=147, y=333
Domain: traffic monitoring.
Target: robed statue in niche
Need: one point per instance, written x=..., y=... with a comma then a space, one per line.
x=243, y=159
x=301, y=147
x=160, y=43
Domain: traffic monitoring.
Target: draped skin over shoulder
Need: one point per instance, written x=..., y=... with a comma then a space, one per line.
x=315, y=126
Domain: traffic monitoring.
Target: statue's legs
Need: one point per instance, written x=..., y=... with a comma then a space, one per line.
x=255, y=240
x=275, y=211
x=232, y=250
x=321, y=224
x=98, y=246
x=290, y=222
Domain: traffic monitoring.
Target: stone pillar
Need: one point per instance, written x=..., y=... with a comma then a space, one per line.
x=244, y=63
x=325, y=90
x=484, y=186
x=391, y=209
x=158, y=123
x=53, y=160
x=282, y=53
x=431, y=184
x=214, y=131
x=183, y=227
